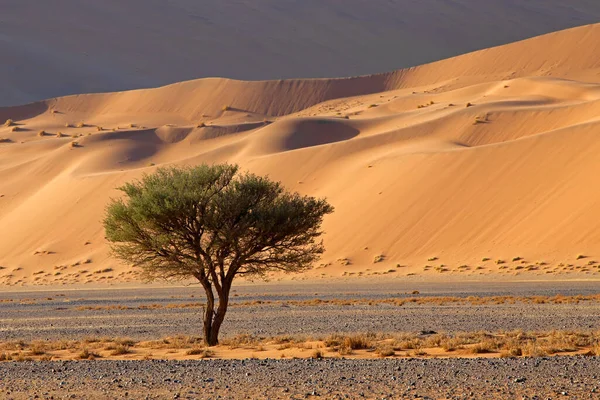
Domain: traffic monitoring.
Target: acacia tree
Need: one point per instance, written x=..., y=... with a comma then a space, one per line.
x=214, y=223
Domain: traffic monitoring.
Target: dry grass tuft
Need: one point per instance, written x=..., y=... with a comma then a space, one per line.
x=198, y=351
x=385, y=351
x=87, y=354
x=120, y=349
x=317, y=354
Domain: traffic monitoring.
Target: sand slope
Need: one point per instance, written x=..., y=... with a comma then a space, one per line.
x=414, y=173
x=57, y=48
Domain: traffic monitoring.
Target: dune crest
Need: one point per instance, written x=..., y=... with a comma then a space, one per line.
x=432, y=169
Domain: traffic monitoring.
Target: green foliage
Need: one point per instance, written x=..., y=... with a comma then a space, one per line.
x=212, y=222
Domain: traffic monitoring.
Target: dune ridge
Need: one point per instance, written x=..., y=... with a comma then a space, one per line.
x=432, y=169
x=52, y=50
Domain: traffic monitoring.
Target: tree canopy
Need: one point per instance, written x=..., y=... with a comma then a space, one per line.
x=214, y=223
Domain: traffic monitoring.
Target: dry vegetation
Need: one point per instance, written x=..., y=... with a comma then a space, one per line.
x=395, y=301
x=364, y=345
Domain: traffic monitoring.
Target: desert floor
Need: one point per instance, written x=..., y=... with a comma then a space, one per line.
x=572, y=378
x=310, y=311
x=269, y=310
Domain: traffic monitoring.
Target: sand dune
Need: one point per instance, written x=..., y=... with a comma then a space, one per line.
x=54, y=49
x=432, y=169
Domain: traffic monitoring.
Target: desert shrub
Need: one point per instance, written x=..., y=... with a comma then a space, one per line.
x=240, y=340
x=407, y=344
x=120, y=349
x=512, y=352
x=37, y=349
x=87, y=354
x=385, y=351
x=203, y=353
x=378, y=258
x=357, y=342
x=317, y=354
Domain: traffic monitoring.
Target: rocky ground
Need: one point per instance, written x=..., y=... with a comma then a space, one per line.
x=541, y=378
x=64, y=314
x=59, y=314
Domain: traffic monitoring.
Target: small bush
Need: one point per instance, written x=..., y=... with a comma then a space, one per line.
x=357, y=342
x=80, y=125
x=86, y=354
x=385, y=352
x=42, y=133
x=378, y=258
x=9, y=122
x=120, y=349
x=195, y=351
x=37, y=349
x=317, y=354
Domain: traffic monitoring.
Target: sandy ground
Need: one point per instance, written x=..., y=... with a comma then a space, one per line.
x=479, y=165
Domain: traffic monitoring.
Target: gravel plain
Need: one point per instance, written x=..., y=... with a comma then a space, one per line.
x=57, y=314
x=540, y=378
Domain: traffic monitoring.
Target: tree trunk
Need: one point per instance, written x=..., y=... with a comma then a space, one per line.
x=213, y=320
x=216, y=322
x=208, y=313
